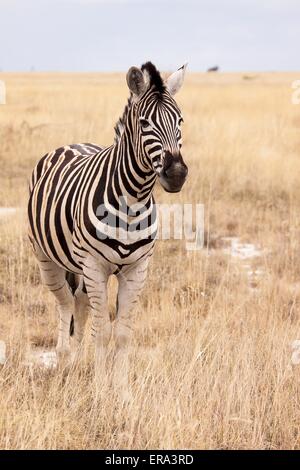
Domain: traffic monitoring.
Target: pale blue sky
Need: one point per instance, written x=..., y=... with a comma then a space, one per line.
x=111, y=35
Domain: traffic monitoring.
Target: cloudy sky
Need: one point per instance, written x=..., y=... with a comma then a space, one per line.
x=111, y=35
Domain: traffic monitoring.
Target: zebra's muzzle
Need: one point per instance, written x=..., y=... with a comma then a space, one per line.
x=174, y=173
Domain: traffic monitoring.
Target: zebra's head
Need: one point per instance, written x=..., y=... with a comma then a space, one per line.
x=157, y=123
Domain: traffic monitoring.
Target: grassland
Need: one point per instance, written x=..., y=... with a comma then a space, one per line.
x=211, y=358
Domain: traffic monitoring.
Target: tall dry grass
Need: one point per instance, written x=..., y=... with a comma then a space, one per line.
x=211, y=358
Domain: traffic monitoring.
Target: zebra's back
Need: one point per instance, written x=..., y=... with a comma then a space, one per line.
x=69, y=153
x=53, y=188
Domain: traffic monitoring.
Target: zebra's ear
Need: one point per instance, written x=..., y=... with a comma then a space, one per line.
x=174, y=82
x=136, y=81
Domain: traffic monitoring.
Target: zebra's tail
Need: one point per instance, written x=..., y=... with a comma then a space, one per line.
x=73, y=284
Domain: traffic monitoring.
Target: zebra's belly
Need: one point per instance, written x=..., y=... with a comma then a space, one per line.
x=113, y=253
x=117, y=246
x=69, y=247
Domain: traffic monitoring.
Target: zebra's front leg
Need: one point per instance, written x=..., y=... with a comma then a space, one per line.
x=95, y=280
x=80, y=317
x=131, y=282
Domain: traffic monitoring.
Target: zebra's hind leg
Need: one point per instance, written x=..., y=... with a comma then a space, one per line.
x=54, y=277
x=131, y=282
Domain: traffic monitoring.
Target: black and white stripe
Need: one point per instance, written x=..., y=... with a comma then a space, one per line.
x=67, y=228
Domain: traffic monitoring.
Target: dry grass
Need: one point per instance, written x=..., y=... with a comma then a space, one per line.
x=211, y=358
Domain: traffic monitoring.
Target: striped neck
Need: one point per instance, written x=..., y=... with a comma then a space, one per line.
x=136, y=178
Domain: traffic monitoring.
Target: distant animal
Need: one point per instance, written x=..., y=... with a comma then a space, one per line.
x=215, y=68
x=249, y=77
x=76, y=248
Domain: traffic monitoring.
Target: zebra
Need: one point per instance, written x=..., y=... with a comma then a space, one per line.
x=67, y=187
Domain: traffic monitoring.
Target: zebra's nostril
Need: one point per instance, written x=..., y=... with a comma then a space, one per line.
x=168, y=163
x=176, y=170
x=174, y=166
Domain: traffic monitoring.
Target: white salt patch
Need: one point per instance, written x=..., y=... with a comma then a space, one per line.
x=245, y=252
x=296, y=344
x=7, y=211
x=38, y=356
x=241, y=250
x=2, y=352
x=295, y=359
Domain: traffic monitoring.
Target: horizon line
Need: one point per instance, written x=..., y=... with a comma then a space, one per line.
x=33, y=71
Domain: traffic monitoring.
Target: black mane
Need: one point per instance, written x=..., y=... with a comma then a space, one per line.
x=155, y=78
x=119, y=127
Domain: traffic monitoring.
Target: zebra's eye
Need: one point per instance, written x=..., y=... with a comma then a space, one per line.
x=180, y=121
x=144, y=123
